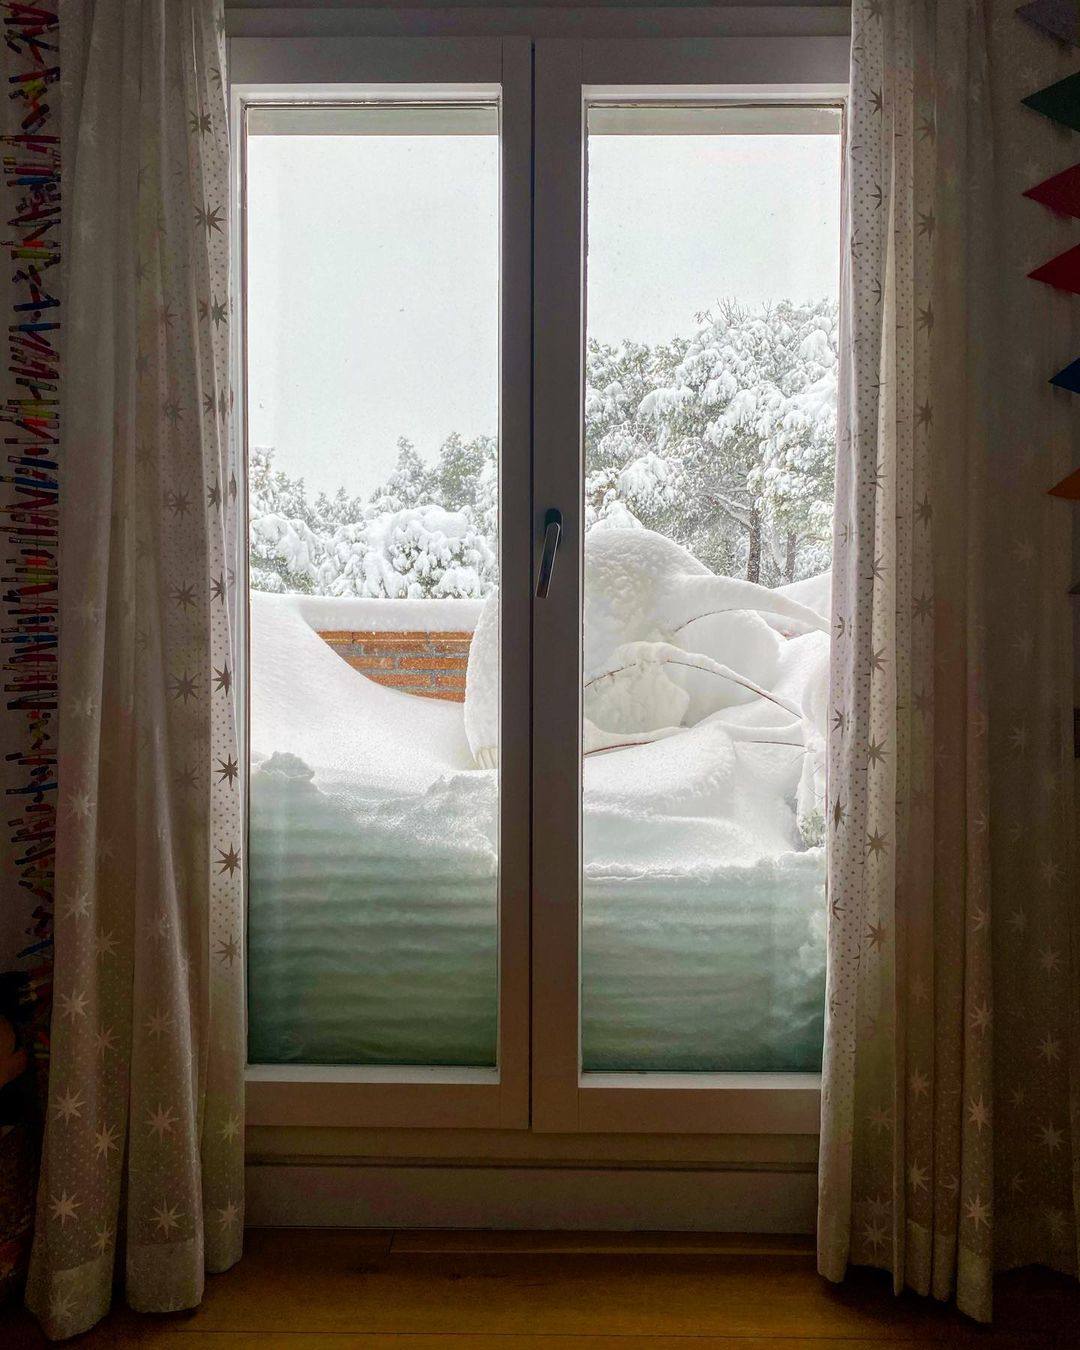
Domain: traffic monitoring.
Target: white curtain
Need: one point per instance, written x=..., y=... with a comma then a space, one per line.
x=949, y=1119
x=142, y=1168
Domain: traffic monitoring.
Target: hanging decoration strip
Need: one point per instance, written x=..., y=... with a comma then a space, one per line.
x=1061, y=193
x=1059, y=18
x=29, y=412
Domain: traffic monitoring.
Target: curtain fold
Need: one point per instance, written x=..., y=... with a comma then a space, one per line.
x=142, y=1167
x=949, y=1111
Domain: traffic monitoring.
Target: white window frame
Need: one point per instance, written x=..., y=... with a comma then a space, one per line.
x=569, y=74
x=351, y=69
x=538, y=1085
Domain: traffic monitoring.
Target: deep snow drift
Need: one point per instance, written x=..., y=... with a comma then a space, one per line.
x=373, y=830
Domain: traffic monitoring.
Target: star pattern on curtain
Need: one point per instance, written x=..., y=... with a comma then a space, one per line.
x=950, y=1033
x=143, y=1149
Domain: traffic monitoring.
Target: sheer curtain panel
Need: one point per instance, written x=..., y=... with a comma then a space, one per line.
x=142, y=1168
x=949, y=1115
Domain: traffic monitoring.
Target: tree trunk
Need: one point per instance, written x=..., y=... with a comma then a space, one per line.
x=789, y=557
x=753, y=557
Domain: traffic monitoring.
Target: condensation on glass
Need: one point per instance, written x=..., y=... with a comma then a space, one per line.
x=372, y=376
x=709, y=426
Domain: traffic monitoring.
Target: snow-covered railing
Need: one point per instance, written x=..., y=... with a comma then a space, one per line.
x=418, y=646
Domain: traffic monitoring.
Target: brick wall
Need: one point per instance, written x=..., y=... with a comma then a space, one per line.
x=431, y=665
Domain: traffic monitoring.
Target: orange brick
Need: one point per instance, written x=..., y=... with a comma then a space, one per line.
x=370, y=662
x=400, y=679
x=392, y=648
x=426, y=665
x=436, y=663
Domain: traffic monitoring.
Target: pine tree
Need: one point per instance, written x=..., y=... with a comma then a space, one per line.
x=740, y=422
x=723, y=442
x=410, y=482
x=286, y=549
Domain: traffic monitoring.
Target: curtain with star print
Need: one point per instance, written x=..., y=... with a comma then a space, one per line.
x=141, y=1177
x=950, y=1125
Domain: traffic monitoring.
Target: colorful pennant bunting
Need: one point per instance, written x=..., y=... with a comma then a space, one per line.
x=1059, y=18
x=1062, y=271
x=1068, y=488
x=1060, y=101
x=1060, y=193
x=1069, y=378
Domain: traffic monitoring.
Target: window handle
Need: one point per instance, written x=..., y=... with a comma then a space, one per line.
x=552, y=534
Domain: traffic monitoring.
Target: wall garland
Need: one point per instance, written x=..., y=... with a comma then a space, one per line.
x=1061, y=103
x=29, y=413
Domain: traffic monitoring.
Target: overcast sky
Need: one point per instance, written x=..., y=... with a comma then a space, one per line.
x=373, y=273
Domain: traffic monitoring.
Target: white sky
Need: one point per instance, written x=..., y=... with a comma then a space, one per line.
x=373, y=273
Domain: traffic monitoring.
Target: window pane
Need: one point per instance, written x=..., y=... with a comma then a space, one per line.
x=372, y=396
x=709, y=451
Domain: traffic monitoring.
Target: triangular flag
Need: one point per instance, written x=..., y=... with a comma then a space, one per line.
x=1059, y=18
x=1060, y=101
x=1060, y=193
x=1069, y=378
x=1062, y=271
x=1069, y=487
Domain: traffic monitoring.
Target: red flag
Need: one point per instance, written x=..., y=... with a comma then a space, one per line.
x=1069, y=487
x=1062, y=271
x=1060, y=193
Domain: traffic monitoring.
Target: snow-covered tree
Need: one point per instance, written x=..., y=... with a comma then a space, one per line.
x=286, y=547
x=410, y=482
x=404, y=542
x=742, y=419
x=416, y=553
x=781, y=423
x=723, y=442
x=340, y=509
x=459, y=469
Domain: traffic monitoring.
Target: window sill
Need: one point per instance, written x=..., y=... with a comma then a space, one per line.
x=452, y=1098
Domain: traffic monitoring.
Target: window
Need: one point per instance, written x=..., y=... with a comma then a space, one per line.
x=709, y=432
x=373, y=500
x=529, y=854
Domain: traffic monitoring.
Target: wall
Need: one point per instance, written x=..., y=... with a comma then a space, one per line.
x=557, y=18
x=431, y=665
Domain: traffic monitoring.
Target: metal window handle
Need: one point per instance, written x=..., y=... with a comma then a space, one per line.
x=552, y=533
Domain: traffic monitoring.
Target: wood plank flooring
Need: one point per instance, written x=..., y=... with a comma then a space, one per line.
x=327, y=1290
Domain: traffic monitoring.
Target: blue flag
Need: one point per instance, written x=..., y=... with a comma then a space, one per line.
x=1069, y=378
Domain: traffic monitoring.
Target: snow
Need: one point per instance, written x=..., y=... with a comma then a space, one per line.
x=374, y=815
x=425, y=532
x=814, y=592
x=357, y=737
x=412, y=552
x=373, y=852
x=481, y=711
x=724, y=442
x=356, y=614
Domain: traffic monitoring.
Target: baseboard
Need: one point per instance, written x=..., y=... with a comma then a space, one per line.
x=567, y=1198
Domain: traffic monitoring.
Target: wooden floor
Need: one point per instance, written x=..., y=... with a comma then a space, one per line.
x=324, y=1290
